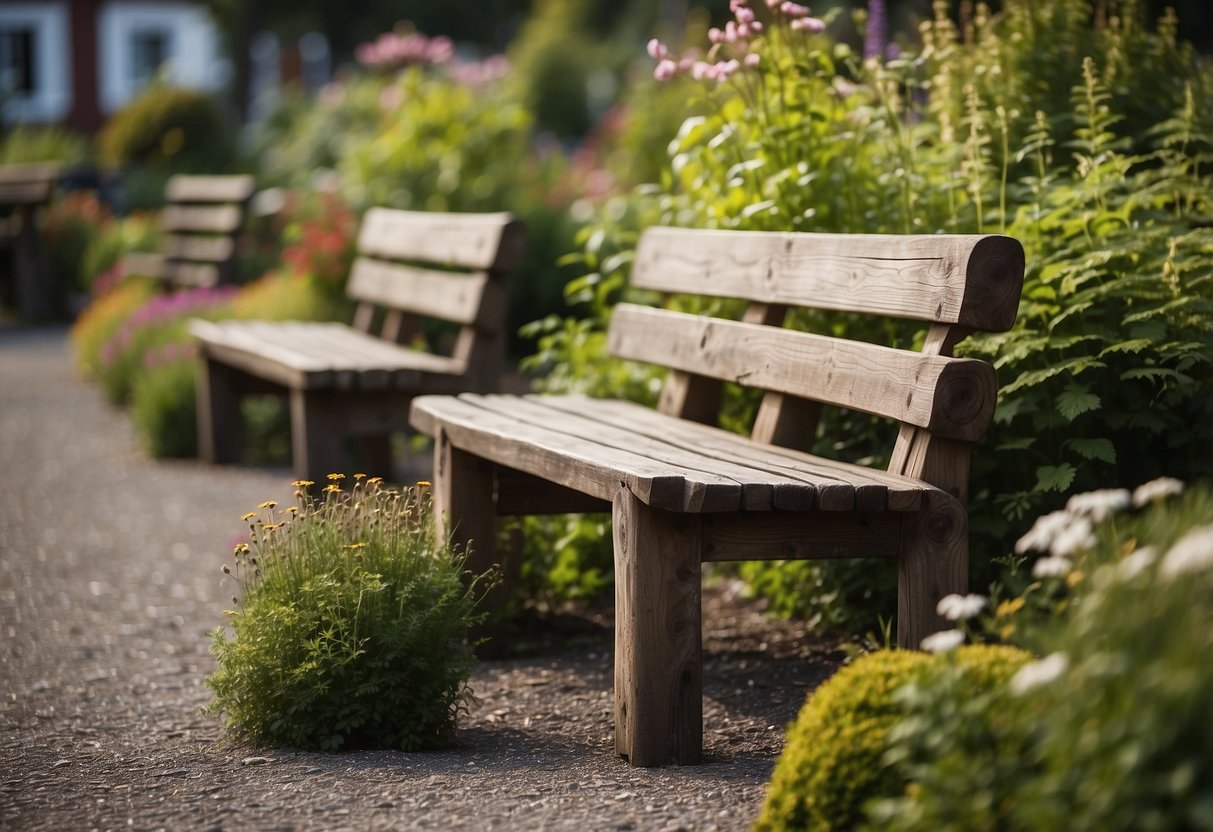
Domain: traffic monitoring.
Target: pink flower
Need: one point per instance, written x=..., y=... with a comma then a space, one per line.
x=666, y=69
x=794, y=9
x=752, y=60
x=715, y=35
x=809, y=24
x=657, y=50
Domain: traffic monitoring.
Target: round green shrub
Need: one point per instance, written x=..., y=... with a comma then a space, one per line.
x=833, y=764
x=163, y=402
x=167, y=127
x=350, y=631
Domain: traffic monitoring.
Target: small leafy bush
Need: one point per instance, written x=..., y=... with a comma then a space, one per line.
x=350, y=631
x=168, y=129
x=137, y=231
x=163, y=407
x=24, y=143
x=69, y=226
x=833, y=764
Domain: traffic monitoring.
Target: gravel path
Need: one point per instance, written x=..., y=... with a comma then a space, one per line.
x=110, y=583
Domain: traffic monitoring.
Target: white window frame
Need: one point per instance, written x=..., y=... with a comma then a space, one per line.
x=51, y=100
x=194, y=59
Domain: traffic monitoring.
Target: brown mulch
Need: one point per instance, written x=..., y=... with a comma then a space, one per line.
x=110, y=584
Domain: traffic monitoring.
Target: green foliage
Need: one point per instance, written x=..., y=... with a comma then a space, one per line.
x=100, y=321
x=1113, y=724
x=832, y=764
x=554, y=57
x=350, y=632
x=69, y=226
x=24, y=143
x=111, y=240
x=167, y=129
x=1090, y=144
x=163, y=407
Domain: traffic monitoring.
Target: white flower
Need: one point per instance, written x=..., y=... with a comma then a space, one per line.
x=1191, y=553
x=1037, y=673
x=1040, y=537
x=1051, y=567
x=1133, y=564
x=1157, y=489
x=960, y=607
x=1073, y=538
x=1099, y=504
x=943, y=641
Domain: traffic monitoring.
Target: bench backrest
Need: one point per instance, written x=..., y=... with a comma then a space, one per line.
x=416, y=265
x=957, y=283
x=202, y=219
x=27, y=184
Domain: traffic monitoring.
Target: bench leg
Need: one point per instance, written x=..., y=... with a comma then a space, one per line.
x=220, y=431
x=658, y=680
x=316, y=436
x=934, y=562
x=464, y=508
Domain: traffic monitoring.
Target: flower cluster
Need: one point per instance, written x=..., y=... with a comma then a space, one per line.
x=321, y=240
x=170, y=353
x=733, y=47
x=404, y=47
x=162, y=309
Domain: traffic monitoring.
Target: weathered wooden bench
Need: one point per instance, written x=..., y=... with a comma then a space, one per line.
x=201, y=220
x=24, y=190
x=682, y=492
x=355, y=383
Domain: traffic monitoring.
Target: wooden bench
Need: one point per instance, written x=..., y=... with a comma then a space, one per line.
x=201, y=221
x=356, y=382
x=682, y=492
x=24, y=190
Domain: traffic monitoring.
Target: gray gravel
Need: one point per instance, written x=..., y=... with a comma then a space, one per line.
x=110, y=584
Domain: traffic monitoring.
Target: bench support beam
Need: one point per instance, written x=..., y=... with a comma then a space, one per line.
x=934, y=562
x=658, y=677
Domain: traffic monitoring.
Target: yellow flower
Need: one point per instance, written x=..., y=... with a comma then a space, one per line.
x=336, y=476
x=1074, y=578
x=332, y=488
x=240, y=549
x=268, y=504
x=359, y=476
x=423, y=483
x=375, y=480
x=292, y=509
x=249, y=516
x=302, y=483
x=355, y=546
x=1010, y=607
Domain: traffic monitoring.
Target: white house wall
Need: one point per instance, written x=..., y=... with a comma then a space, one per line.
x=52, y=100
x=195, y=61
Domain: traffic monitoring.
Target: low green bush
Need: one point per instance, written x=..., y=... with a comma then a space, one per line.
x=166, y=127
x=350, y=628
x=24, y=143
x=163, y=407
x=833, y=764
x=69, y=227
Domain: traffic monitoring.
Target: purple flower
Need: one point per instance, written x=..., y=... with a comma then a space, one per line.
x=877, y=33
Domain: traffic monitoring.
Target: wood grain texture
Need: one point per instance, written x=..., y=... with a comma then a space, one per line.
x=934, y=562
x=801, y=535
x=658, y=642
x=28, y=184
x=450, y=296
x=471, y=241
x=204, y=219
x=973, y=280
x=206, y=189
x=951, y=396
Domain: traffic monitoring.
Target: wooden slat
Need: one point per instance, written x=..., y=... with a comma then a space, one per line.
x=973, y=280
x=840, y=485
x=216, y=219
x=953, y=397
x=801, y=535
x=470, y=241
x=451, y=296
x=240, y=349
x=144, y=264
x=28, y=184
x=574, y=462
x=203, y=249
x=181, y=273
x=184, y=188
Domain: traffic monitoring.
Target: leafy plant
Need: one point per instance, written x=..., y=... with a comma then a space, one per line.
x=163, y=407
x=24, y=143
x=101, y=320
x=169, y=128
x=832, y=764
x=351, y=628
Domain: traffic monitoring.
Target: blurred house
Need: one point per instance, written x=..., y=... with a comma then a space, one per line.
x=74, y=62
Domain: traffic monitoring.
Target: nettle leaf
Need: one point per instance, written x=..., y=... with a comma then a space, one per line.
x=1018, y=444
x=1100, y=449
x=1075, y=401
x=1055, y=477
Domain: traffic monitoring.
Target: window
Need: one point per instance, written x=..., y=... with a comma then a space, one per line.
x=150, y=50
x=18, y=69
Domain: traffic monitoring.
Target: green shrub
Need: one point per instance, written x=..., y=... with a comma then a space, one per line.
x=168, y=129
x=69, y=226
x=833, y=763
x=350, y=632
x=163, y=407
x=134, y=232
x=23, y=144
x=1111, y=729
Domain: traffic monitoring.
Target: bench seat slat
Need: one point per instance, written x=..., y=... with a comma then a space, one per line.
x=590, y=453
x=953, y=397
x=839, y=486
x=315, y=355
